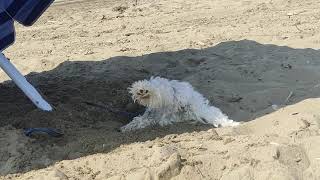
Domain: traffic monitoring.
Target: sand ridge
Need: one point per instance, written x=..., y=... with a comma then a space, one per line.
x=256, y=60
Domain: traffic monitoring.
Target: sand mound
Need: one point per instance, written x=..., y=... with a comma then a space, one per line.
x=231, y=51
x=282, y=145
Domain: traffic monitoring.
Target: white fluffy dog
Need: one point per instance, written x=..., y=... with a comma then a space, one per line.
x=172, y=101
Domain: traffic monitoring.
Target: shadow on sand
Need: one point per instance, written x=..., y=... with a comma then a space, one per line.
x=243, y=78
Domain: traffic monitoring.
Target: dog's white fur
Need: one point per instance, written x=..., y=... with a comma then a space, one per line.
x=170, y=101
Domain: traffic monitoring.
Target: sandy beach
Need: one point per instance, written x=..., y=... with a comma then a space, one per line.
x=258, y=61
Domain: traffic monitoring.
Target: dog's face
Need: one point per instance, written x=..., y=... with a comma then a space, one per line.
x=143, y=96
x=153, y=93
x=142, y=92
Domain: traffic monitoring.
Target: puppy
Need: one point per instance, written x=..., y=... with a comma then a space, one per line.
x=171, y=101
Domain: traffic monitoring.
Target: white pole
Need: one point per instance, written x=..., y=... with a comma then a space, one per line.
x=23, y=84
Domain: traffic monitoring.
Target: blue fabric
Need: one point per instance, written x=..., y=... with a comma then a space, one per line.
x=26, y=12
x=50, y=131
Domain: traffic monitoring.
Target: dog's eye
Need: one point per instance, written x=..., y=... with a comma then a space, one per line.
x=147, y=91
x=141, y=91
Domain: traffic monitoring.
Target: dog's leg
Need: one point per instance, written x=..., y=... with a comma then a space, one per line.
x=169, y=116
x=205, y=113
x=166, y=120
x=139, y=122
x=216, y=117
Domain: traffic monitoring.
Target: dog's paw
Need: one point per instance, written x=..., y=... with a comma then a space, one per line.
x=124, y=129
x=164, y=123
x=129, y=127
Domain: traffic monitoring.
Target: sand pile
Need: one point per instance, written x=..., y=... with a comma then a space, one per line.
x=256, y=60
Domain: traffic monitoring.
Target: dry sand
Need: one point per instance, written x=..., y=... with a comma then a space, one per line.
x=256, y=60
